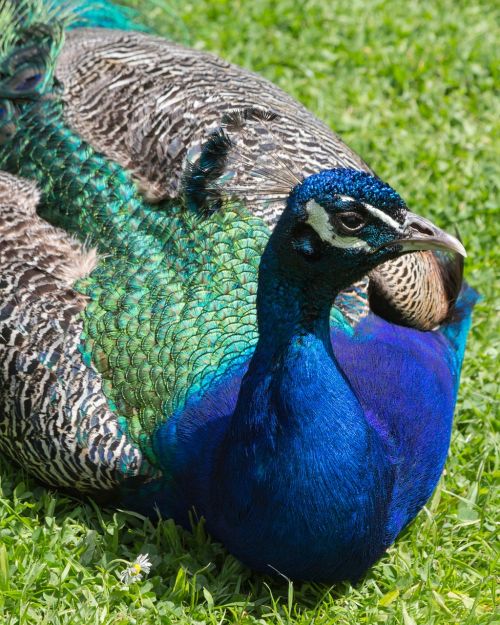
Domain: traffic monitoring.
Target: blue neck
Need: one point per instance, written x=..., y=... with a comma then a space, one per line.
x=289, y=307
x=296, y=430
x=292, y=327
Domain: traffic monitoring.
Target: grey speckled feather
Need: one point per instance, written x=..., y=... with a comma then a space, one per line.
x=54, y=416
x=150, y=104
x=147, y=102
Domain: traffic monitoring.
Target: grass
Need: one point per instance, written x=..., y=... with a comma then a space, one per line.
x=410, y=86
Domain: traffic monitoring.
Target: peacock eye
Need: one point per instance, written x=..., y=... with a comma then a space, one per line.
x=350, y=222
x=27, y=80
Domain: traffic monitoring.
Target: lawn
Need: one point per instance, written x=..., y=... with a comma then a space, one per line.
x=410, y=86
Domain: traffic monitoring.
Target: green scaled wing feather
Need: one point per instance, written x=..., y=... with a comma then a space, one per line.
x=172, y=301
x=168, y=326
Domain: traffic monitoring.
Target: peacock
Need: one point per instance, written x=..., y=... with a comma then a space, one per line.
x=171, y=336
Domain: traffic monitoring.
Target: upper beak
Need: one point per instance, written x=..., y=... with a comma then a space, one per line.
x=422, y=234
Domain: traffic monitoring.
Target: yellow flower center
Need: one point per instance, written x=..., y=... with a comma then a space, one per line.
x=137, y=568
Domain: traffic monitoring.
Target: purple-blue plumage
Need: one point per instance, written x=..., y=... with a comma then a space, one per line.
x=407, y=382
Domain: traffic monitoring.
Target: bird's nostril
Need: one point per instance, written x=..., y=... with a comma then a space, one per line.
x=422, y=228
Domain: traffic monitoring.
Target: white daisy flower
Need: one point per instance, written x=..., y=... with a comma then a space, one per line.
x=137, y=570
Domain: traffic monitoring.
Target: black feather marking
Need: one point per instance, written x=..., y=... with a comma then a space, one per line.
x=199, y=195
x=205, y=195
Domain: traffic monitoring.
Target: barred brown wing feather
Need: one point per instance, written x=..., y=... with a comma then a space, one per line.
x=54, y=419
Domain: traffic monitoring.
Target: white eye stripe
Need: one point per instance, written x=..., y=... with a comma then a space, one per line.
x=319, y=220
x=376, y=212
x=383, y=217
x=346, y=198
x=349, y=242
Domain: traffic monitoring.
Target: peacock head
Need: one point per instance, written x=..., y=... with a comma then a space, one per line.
x=351, y=221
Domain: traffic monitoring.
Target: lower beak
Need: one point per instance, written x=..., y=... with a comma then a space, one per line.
x=422, y=234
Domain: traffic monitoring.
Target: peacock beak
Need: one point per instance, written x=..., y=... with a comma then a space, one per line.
x=421, y=234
